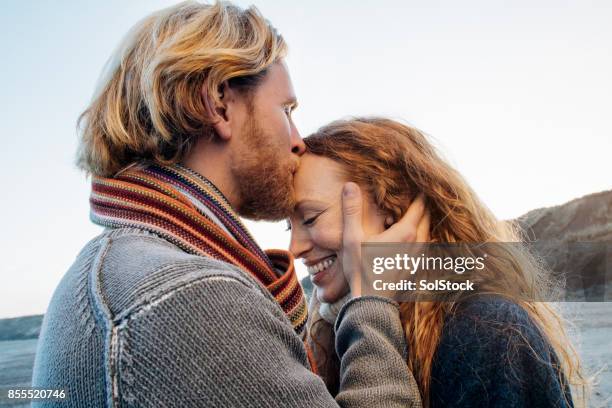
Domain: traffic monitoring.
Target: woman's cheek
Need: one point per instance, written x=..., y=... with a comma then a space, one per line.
x=329, y=238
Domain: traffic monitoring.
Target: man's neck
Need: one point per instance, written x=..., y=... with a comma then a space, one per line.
x=212, y=161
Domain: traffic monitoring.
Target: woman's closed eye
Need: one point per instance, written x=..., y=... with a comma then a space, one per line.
x=310, y=221
x=307, y=221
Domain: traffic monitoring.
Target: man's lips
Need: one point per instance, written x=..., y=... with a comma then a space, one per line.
x=293, y=166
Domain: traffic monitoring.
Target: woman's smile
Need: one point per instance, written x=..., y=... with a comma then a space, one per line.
x=320, y=269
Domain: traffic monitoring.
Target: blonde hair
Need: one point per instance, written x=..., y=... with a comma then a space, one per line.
x=393, y=163
x=151, y=101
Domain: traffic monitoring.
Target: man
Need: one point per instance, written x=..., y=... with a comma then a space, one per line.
x=174, y=304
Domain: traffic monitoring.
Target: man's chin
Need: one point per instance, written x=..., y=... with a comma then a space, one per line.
x=265, y=188
x=272, y=210
x=257, y=216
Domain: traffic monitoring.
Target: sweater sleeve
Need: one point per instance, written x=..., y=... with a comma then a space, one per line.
x=491, y=354
x=221, y=342
x=371, y=345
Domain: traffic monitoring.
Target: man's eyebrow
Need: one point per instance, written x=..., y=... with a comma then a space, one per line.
x=292, y=101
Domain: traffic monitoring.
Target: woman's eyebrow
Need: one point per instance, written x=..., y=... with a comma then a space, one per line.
x=309, y=202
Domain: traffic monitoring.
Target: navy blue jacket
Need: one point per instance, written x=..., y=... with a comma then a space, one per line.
x=491, y=354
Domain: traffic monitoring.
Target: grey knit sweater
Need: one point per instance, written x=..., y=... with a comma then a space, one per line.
x=137, y=322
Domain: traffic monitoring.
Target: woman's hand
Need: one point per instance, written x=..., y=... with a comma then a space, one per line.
x=412, y=227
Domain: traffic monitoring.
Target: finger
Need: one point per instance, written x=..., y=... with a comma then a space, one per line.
x=405, y=229
x=422, y=233
x=351, y=214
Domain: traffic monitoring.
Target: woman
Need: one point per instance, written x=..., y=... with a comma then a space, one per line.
x=466, y=351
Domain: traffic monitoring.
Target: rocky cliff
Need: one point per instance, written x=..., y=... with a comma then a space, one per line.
x=575, y=241
x=20, y=328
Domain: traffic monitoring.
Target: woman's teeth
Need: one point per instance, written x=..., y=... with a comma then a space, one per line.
x=318, y=267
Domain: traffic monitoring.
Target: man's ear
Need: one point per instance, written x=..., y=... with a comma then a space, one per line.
x=218, y=111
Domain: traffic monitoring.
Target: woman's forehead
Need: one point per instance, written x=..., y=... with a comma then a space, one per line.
x=317, y=178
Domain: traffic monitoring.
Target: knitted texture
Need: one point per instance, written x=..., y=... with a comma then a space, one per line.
x=329, y=311
x=138, y=322
x=150, y=198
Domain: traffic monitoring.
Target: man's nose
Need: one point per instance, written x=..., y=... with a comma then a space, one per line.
x=297, y=144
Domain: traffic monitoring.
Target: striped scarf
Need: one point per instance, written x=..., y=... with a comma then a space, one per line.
x=155, y=198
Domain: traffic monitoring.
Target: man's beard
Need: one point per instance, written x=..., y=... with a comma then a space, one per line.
x=264, y=181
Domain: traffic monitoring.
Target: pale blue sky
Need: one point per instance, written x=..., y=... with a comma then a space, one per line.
x=519, y=99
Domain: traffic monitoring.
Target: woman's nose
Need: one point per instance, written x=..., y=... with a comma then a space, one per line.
x=299, y=245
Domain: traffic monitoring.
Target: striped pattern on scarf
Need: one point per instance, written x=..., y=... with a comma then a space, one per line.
x=151, y=198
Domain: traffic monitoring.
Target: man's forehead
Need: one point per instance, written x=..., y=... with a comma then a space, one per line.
x=278, y=80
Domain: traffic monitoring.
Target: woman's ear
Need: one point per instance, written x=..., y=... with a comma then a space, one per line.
x=389, y=221
x=217, y=110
